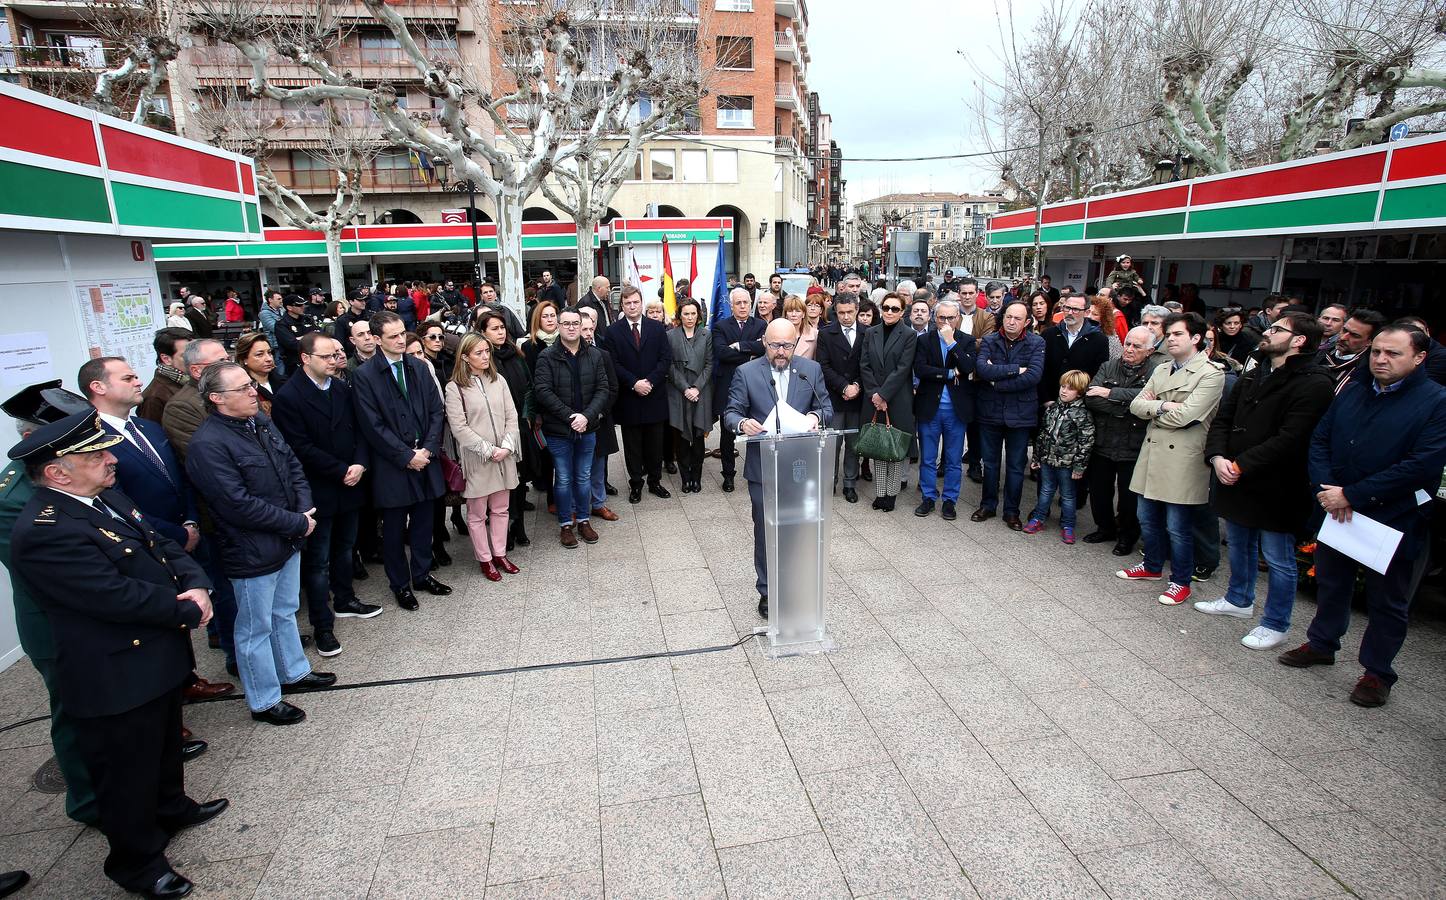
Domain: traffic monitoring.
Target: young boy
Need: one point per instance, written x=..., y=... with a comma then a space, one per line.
x=1061, y=452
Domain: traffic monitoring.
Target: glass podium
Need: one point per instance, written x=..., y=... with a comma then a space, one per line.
x=797, y=471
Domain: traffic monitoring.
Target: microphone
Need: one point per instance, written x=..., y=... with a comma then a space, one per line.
x=773, y=390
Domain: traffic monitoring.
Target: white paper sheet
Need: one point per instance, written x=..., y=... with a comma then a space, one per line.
x=794, y=422
x=1363, y=539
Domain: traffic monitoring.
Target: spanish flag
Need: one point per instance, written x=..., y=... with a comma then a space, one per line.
x=670, y=297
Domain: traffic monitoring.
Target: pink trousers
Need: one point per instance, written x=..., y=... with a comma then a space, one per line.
x=487, y=525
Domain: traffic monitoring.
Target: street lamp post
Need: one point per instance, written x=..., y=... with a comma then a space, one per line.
x=471, y=189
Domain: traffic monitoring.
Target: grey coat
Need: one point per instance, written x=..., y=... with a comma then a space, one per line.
x=692, y=368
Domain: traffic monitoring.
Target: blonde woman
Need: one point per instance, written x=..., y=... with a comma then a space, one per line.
x=796, y=312
x=483, y=419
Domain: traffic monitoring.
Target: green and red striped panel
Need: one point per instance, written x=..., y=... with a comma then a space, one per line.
x=652, y=231
x=63, y=164
x=378, y=240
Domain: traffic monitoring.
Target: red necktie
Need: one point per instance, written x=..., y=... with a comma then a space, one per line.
x=637, y=335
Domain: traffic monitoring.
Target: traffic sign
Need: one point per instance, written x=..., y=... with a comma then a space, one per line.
x=1399, y=131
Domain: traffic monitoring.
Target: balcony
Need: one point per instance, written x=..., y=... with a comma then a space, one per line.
x=323, y=181
x=785, y=94
x=34, y=60
x=782, y=143
x=224, y=64
x=786, y=48
x=787, y=8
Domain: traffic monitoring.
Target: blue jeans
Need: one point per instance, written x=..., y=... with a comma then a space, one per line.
x=599, y=480
x=1051, y=479
x=1013, y=443
x=572, y=476
x=944, y=425
x=268, y=646
x=1279, y=549
x=1168, y=532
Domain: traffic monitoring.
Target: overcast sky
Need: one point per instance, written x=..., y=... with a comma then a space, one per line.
x=889, y=76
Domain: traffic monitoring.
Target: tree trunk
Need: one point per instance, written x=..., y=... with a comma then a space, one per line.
x=586, y=268
x=334, y=265
x=509, y=254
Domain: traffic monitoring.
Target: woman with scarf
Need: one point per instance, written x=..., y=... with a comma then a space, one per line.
x=512, y=366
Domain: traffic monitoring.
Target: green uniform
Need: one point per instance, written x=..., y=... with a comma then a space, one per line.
x=38, y=643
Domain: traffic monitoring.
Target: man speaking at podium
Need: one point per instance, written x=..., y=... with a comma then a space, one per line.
x=756, y=388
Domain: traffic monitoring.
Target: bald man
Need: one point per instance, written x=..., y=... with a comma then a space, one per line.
x=737, y=339
x=598, y=297
x=753, y=393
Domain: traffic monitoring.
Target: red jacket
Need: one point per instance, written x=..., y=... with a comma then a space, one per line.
x=234, y=311
x=423, y=303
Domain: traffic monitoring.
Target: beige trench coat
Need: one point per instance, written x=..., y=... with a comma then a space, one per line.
x=1171, y=467
x=482, y=417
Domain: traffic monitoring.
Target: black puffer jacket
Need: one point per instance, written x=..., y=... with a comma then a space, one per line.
x=255, y=489
x=558, y=395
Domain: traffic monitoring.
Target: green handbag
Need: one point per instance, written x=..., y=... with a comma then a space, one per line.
x=882, y=442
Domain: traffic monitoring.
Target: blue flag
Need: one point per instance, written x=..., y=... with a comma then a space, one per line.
x=719, y=303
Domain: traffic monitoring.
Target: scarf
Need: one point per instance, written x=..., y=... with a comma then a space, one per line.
x=171, y=374
x=547, y=340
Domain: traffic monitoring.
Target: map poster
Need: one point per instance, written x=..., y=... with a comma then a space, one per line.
x=119, y=318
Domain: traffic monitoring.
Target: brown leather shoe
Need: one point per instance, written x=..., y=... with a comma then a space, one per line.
x=1370, y=691
x=568, y=539
x=1305, y=656
x=205, y=690
x=981, y=515
x=586, y=532
x=1014, y=523
x=607, y=515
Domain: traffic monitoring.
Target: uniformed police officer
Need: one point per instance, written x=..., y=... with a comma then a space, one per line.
x=122, y=600
x=289, y=329
x=32, y=408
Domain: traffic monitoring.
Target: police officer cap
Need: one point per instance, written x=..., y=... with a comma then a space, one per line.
x=293, y=300
x=44, y=402
x=78, y=433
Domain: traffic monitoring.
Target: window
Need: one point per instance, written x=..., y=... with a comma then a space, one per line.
x=662, y=165
x=695, y=165
x=379, y=47
x=735, y=53
x=733, y=5
x=735, y=112
x=725, y=166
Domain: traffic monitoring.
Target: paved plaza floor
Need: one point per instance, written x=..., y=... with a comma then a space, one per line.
x=1004, y=718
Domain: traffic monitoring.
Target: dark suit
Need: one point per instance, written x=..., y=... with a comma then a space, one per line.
x=752, y=396
x=726, y=360
x=840, y=364
x=1090, y=350
x=167, y=501
x=395, y=424
x=604, y=310
x=321, y=428
x=644, y=420
x=109, y=587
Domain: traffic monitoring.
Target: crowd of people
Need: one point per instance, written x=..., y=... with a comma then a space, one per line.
x=251, y=476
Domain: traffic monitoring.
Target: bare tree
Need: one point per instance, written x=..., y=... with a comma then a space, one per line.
x=645, y=77
x=145, y=36
x=507, y=156
x=345, y=152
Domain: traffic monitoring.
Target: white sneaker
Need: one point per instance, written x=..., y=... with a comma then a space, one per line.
x=1223, y=607
x=1262, y=638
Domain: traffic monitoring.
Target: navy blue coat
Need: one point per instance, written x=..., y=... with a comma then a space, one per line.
x=1090, y=351
x=322, y=430
x=1383, y=448
x=651, y=361
x=254, y=488
x=165, y=503
x=936, y=372
x=394, y=426
x=1007, y=398
x=726, y=360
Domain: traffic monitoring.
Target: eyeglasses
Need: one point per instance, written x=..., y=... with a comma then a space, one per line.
x=1074, y=308
x=432, y=337
x=781, y=345
x=892, y=308
x=250, y=387
x=1280, y=329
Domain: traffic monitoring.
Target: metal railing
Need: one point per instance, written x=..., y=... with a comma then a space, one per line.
x=325, y=181
x=26, y=56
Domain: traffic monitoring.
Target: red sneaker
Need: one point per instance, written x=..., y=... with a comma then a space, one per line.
x=1138, y=572
x=1175, y=594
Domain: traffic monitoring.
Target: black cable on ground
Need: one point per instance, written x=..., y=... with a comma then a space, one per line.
x=454, y=676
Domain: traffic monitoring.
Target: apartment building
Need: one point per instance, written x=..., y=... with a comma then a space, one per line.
x=751, y=152
x=946, y=216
